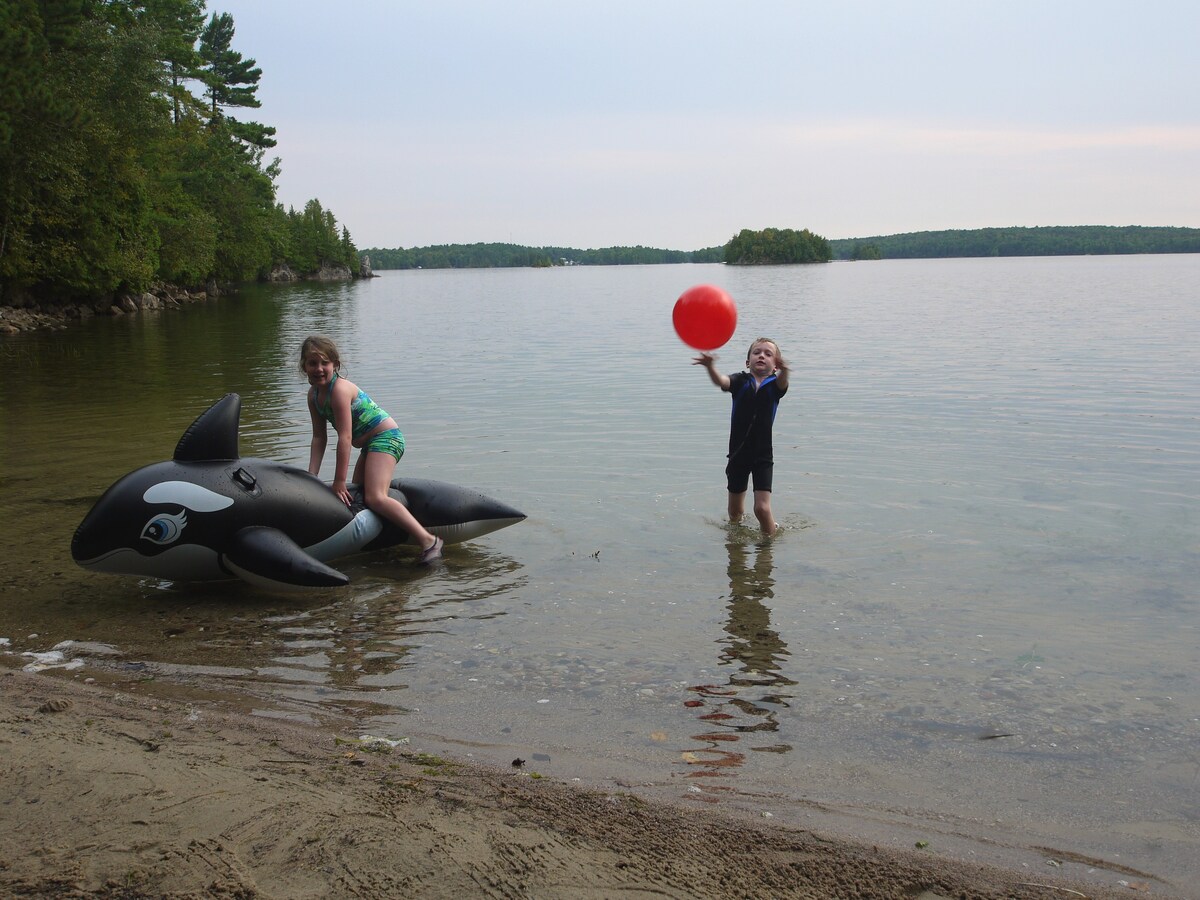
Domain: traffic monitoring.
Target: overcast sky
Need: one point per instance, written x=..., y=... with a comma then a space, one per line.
x=677, y=123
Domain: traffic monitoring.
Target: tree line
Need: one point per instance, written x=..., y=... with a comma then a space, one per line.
x=500, y=256
x=775, y=246
x=1067, y=240
x=768, y=246
x=125, y=159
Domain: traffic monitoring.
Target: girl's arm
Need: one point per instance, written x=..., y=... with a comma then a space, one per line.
x=708, y=361
x=343, y=392
x=316, y=450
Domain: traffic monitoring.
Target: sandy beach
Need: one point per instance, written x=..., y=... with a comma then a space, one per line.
x=107, y=792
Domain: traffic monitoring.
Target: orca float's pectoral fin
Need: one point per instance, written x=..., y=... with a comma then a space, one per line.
x=268, y=558
x=214, y=434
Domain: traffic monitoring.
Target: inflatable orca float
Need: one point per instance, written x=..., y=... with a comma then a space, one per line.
x=209, y=514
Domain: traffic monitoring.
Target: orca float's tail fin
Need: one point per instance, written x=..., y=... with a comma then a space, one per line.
x=452, y=512
x=214, y=434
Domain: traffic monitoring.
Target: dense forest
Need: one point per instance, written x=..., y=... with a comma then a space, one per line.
x=125, y=159
x=499, y=256
x=777, y=246
x=1078, y=240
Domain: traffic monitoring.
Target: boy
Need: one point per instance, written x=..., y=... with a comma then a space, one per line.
x=756, y=396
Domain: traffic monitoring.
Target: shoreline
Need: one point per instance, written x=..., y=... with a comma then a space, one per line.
x=59, y=317
x=43, y=316
x=108, y=792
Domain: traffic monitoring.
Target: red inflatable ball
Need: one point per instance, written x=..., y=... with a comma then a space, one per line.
x=704, y=317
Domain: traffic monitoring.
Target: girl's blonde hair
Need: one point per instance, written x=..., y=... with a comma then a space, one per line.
x=316, y=343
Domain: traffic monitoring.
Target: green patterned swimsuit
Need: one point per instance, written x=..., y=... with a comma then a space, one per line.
x=365, y=414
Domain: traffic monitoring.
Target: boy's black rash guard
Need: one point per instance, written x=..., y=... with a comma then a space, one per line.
x=752, y=417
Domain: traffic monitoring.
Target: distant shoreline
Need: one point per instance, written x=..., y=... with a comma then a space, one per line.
x=1052, y=240
x=1075, y=240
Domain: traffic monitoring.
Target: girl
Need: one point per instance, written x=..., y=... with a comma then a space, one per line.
x=359, y=422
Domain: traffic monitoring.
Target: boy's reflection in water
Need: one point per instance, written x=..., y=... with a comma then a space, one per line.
x=755, y=651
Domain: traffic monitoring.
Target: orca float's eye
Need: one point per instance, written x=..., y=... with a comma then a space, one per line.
x=165, y=528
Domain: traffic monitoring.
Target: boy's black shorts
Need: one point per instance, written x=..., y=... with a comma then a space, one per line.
x=738, y=473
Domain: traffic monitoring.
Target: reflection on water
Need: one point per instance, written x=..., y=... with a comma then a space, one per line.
x=331, y=656
x=754, y=647
x=353, y=655
x=747, y=706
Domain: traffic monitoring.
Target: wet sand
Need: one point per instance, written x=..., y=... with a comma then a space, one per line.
x=107, y=792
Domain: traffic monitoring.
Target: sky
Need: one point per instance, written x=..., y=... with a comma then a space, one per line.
x=677, y=123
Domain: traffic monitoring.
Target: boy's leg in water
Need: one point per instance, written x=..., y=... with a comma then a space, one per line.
x=737, y=506
x=762, y=512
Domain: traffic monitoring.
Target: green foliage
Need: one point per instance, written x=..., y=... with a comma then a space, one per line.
x=177, y=24
x=1080, y=240
x=239, y=197
x=75, y=210
x=709, y=255
x=113, y=175
x=188, y=237
x=21, y=48
x=313, y=240
x=869, y=250
x=231, y=80
x=497, y=256
x=776, y=246
x=36, y=111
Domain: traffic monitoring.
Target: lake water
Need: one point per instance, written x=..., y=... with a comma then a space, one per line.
x=979, y=617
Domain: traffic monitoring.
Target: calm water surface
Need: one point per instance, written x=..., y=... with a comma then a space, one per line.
x=980, y=614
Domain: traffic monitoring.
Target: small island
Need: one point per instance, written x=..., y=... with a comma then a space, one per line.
x=776, y=246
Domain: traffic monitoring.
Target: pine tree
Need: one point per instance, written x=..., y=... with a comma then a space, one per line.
x=231, y=81
x=179, y=23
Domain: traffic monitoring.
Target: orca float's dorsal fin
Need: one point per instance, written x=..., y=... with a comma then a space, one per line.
x=214, y=434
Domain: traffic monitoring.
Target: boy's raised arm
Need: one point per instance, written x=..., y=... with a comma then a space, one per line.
x=708, y=361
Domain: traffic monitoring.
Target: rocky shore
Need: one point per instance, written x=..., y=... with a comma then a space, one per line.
x=34, y=316
x=26, y=314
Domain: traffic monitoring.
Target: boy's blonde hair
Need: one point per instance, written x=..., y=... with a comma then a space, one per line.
x=323, y=345
x=753, y=344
